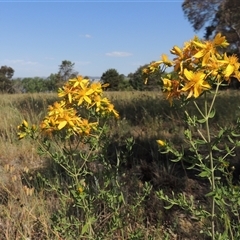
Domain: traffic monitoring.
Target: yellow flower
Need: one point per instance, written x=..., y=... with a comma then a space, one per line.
x=111, y=109
x=25, y=123
x=57, y=107
x=66, y=91
x=21, y=135
x=23, y=130
x=146, y=71
x=85, y=127
x=59, y=117
x=83, y=95
x=96, y=87
x=232, y=65
x=237, y=75
x=177, y=51
x=80, y=190
x=208, y=49
x=97, y=102
x=78, y=89
x=104, y=106
x=166, y=61
x=79, y=81
x=178, y=61
x=196, y=83
x=154, y=66
x=65, y=119
x=81, y=186
x=161, y=143
x=167, y=84
x=171, y=89
x=205, y=51
x=220, y=40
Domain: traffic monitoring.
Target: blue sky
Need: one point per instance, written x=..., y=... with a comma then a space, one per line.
x=95, y=35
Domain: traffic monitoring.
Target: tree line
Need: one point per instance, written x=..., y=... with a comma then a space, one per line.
x=115, y=80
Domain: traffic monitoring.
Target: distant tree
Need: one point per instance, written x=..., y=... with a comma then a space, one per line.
x=113, y=78
x=17, y=85
x=137, y=80
x=216, y=16
x=6, y=74
x=53, y=82
x=35, y=84
x=125, y=85
x=66, y=70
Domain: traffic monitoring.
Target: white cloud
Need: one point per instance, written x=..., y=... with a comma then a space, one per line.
x=86, y=35
x=118, y=54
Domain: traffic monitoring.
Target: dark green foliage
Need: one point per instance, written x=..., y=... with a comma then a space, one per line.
x=53, y=82
x=125, y=85
x=6, y=74
x=35, y=84
x=137, y=80
x=113, y=78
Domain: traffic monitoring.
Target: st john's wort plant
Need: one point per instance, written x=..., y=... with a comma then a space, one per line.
x=199, y=69
x=74, y=136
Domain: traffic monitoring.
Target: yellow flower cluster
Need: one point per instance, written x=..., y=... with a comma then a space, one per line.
x=60, y=117
x=199, y=65
x=80, y=92
x=77, y=94
x=24, y=129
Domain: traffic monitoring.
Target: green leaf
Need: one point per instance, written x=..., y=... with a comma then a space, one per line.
x=191, y=167
x=201, y=120
x=212, y=113
x=84, y=229
x=214, y=147
x=200, y=141
x=210, y=194
x=221, y=132
x=230, y=139
x=235, y=134
x=169, y=206
x=204, y=174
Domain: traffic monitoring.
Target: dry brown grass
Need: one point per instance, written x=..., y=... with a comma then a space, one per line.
x=25, y=212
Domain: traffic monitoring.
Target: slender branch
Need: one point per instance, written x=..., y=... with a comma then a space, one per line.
x=213, y=100
x=199, y=110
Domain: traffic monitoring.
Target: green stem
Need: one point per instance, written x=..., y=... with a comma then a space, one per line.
x=230, y=228
x=212, y=181
x=209, y=147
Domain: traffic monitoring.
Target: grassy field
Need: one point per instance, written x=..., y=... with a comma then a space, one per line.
x=27, y=208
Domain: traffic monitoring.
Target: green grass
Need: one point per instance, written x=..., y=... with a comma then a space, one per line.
x=26, y=207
